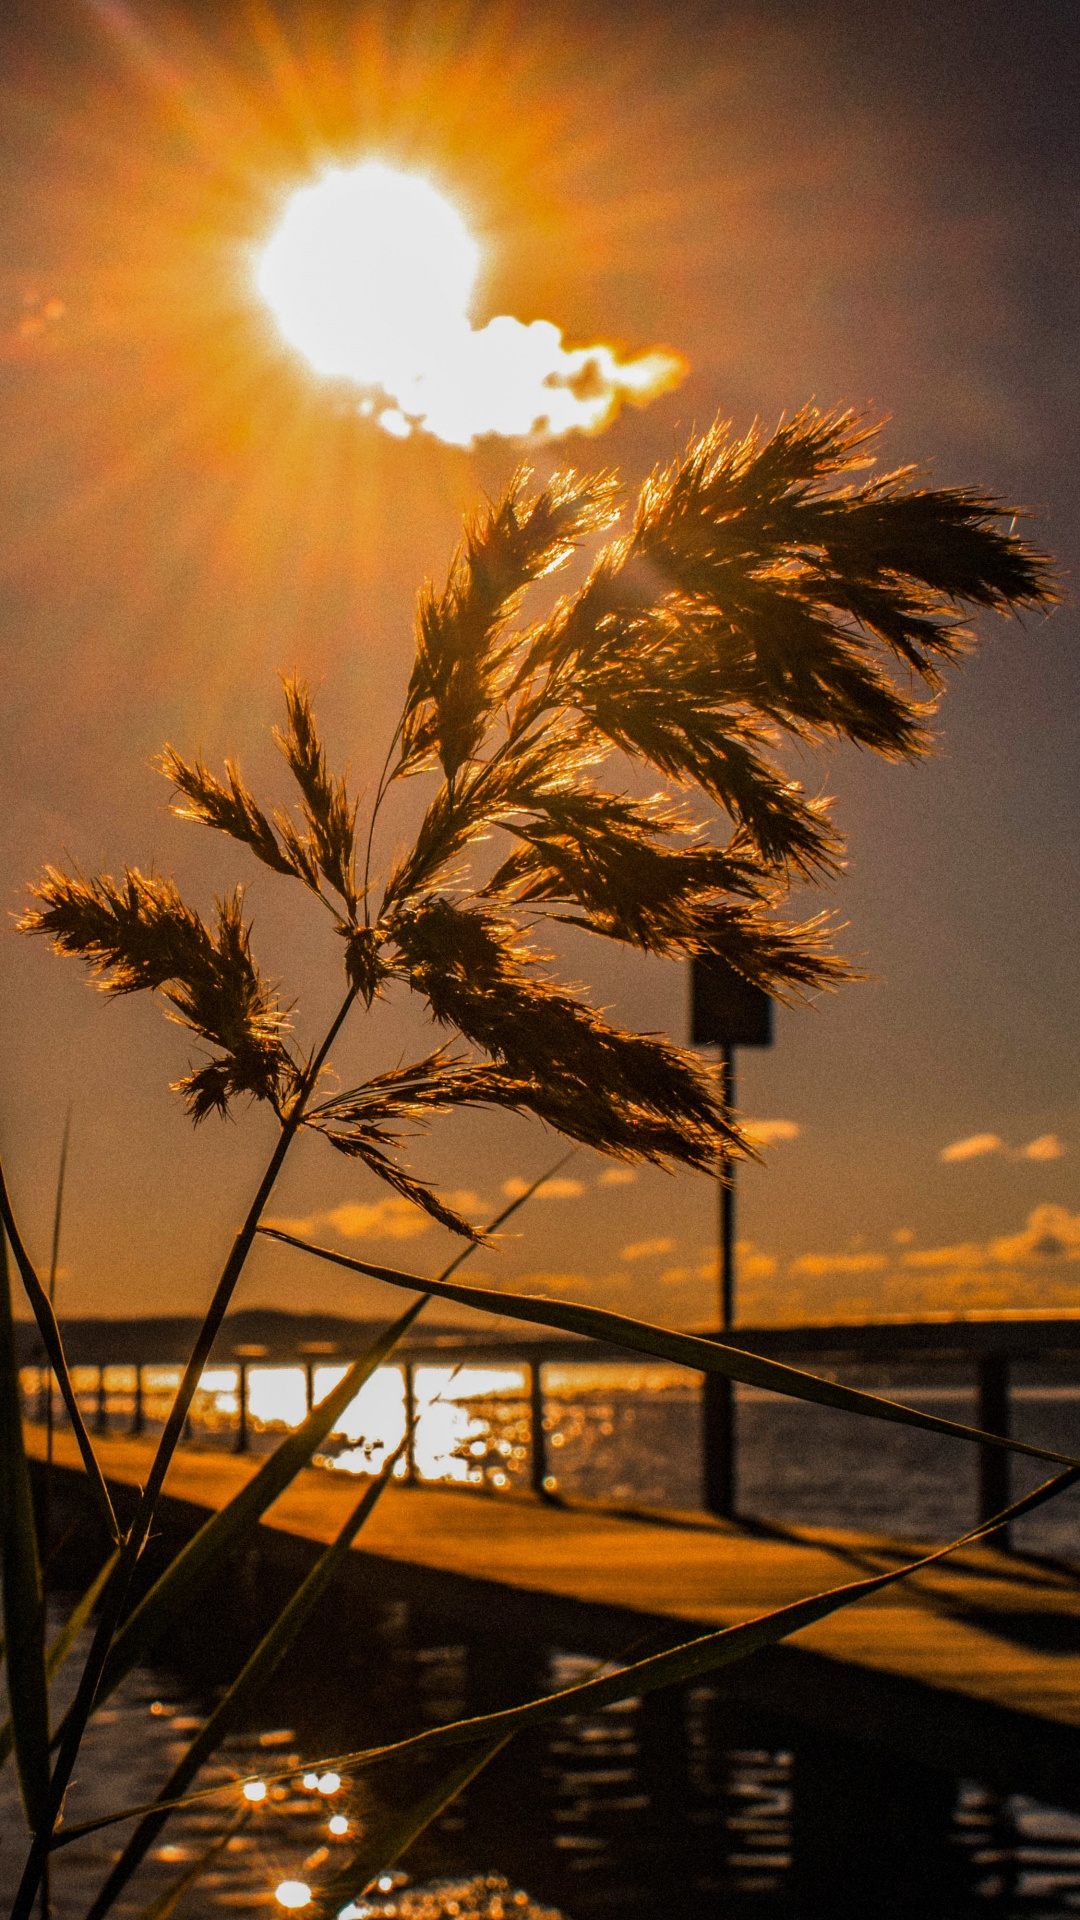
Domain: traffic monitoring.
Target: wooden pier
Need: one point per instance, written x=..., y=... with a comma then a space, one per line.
x=973, y=1666
x=989, y=1344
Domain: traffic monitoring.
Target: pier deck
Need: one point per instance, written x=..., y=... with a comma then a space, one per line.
x=988, y=1641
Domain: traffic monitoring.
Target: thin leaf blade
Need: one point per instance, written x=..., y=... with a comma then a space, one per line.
x=705, y=1654
x=24, y=1597
x=253, y=1676
x=167, y=1902
x=685, y=1349
x=50, y=1334
x=59, y=1649
x=168, y=1596
x=388, y=1840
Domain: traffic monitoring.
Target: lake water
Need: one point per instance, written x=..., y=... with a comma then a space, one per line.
x=632, y=1433
x=677, y=1807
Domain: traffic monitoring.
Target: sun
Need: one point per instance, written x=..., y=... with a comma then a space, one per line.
x=369, y=274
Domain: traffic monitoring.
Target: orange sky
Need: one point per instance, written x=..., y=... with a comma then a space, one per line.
x=801, y=206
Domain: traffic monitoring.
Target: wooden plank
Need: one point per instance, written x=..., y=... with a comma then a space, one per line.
x=986, y=1626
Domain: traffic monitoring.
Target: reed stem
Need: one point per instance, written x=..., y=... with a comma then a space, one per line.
x=116, y=1593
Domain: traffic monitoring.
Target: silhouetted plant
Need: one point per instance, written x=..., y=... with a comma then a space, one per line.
x=751, y=598
x=758, y=594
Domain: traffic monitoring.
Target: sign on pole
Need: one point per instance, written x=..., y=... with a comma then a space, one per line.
x=726, y=1011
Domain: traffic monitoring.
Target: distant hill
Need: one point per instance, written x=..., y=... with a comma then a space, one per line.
x=267, y=1333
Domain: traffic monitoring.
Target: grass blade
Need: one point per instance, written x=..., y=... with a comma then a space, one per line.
x=389, y=1839
x=706, y=1654
x=687, y=1349
x=24, y=1597
x=167, y=1902
x=82, y=1706
x=253, y=1676
x=148, y=1621
x=170, y=1594
x=58, y=1651
x=50, y=1334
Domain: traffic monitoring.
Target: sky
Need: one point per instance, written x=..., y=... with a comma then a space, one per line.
x=794, y=202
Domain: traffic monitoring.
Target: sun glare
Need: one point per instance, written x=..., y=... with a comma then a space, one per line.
x=370, y=275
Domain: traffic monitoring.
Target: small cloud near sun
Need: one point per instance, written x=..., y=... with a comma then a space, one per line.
x=616, y=1177
x=370, y=274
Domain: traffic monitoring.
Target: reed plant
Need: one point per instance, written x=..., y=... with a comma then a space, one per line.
x=758, y=592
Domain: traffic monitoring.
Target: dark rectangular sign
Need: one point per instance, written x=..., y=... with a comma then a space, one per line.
x=727, y=1010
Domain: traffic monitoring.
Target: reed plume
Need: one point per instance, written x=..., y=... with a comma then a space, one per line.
x=759, y=592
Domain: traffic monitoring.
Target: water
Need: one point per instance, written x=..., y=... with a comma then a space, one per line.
x=632, y=1434
x=681, y=1806
x=678, y=1807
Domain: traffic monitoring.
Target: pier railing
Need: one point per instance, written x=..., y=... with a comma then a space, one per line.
x=991, y=1345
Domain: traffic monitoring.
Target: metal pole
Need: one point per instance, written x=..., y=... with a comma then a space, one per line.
x=538, y=1466
x=241, y=1444
x=726, y=1300
x=309, y=1384
x=992, y=1416
x=138, y=1418
x=101, y=1412
x=410, y=1424
x=718, y=1392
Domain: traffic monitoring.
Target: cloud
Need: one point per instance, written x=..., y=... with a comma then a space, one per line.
x=769, y=1133
x=467, y=1202
x=552, y=1282
x=969, y=1254
x=646, y=1249
x=974, y=1147
x=1051, y=1233
x=390, y=1219
x=815, y=1266
x=555, y=1189
x=616, y=1177
x=751, y=1266
x=903, y=1237
x=370, y=275
x=1046, y=1147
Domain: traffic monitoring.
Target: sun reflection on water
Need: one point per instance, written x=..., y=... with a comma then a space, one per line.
x=454, y=1408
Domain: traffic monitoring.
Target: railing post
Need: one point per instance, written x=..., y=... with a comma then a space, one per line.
x=101, y=1411
x=241, y=1442
x=138, y=1416
x=538, y=1463
x=992, y=1415
x=410, y=1423
x=717, y=1391
x=309, y=1384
